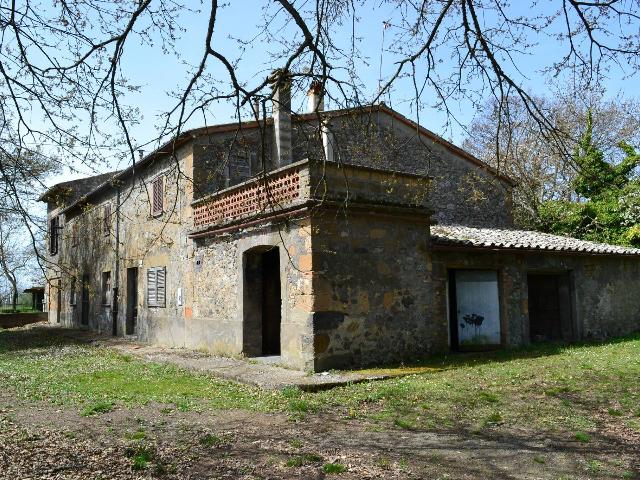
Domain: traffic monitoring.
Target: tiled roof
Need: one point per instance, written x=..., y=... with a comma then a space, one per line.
x=74, y=189
x=502, y=238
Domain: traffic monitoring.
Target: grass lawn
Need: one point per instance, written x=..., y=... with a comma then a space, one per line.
x=19, y=309
x=574, y=391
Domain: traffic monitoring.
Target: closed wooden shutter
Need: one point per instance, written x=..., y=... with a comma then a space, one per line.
x=156, y=287
x=160, y=286
x=151, y=287
x=54, y=231
x=158, y=196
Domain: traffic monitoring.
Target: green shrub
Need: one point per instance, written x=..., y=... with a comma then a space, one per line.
x=97, y=408
x=334, y=468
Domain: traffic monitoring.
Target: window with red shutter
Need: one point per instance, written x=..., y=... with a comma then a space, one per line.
x=157, y=199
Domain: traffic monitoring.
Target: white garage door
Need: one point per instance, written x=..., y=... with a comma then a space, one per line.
x=478, y=310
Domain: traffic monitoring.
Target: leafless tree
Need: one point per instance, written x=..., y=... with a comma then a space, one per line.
x=64, y=78
x=541, y=167
x=14, y=257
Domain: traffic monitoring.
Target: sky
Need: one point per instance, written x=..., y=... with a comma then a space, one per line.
x=157, y=73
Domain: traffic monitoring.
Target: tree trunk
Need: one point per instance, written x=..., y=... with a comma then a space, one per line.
x=14, y=300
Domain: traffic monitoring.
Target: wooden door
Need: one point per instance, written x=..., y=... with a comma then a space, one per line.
x=132, y=301
x=545, y=313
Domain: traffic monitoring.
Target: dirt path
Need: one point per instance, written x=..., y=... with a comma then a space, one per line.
x=42, y=441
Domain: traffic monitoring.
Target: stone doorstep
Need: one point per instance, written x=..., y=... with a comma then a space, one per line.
x=259, y=373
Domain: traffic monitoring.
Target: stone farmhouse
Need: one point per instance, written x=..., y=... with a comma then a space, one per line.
x=329, y=239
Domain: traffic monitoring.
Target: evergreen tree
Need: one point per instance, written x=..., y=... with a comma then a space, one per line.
x=609, y=206
x=596, y=176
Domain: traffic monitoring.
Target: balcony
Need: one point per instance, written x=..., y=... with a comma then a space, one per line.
x=305, y=184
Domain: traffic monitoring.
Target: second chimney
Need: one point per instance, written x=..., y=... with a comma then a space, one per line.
x=281, y=84
x=315, y=100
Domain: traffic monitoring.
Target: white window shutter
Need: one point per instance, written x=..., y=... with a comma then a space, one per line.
x=161, y=290
x=151, y=287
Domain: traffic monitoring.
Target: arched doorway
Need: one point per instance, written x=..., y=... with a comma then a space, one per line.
x=262, y=301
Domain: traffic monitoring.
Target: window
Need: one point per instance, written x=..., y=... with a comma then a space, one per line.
x=106, y=219
x=54, y=233
x=157, y=197
x=72, y=291
x=239, y=167
x=106, y=288
x=156, y=287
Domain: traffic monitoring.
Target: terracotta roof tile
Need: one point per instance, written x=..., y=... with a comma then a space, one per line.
x=502, y=238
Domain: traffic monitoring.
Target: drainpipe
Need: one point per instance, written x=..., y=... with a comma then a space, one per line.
x=116, y=279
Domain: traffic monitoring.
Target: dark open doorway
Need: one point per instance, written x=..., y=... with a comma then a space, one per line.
x=271, y=302
x=549, y=307
x=262, y=302
x=84, y=313
x=132, y=301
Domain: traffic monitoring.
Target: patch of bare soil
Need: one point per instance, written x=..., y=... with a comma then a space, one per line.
x=43, y=441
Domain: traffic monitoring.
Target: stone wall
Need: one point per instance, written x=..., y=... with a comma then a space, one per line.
x=372, y=292
x=12, y=320
x=601, y=306
x=145, y=241
x=222, y=311
x=461, y=192
x=225, y=159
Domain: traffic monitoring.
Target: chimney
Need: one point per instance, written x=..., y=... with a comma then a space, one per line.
x=328, y=142
x=315, y=99
x=281, y=84
x=255, y=106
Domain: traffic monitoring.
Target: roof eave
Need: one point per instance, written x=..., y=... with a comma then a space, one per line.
x=440, y=245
